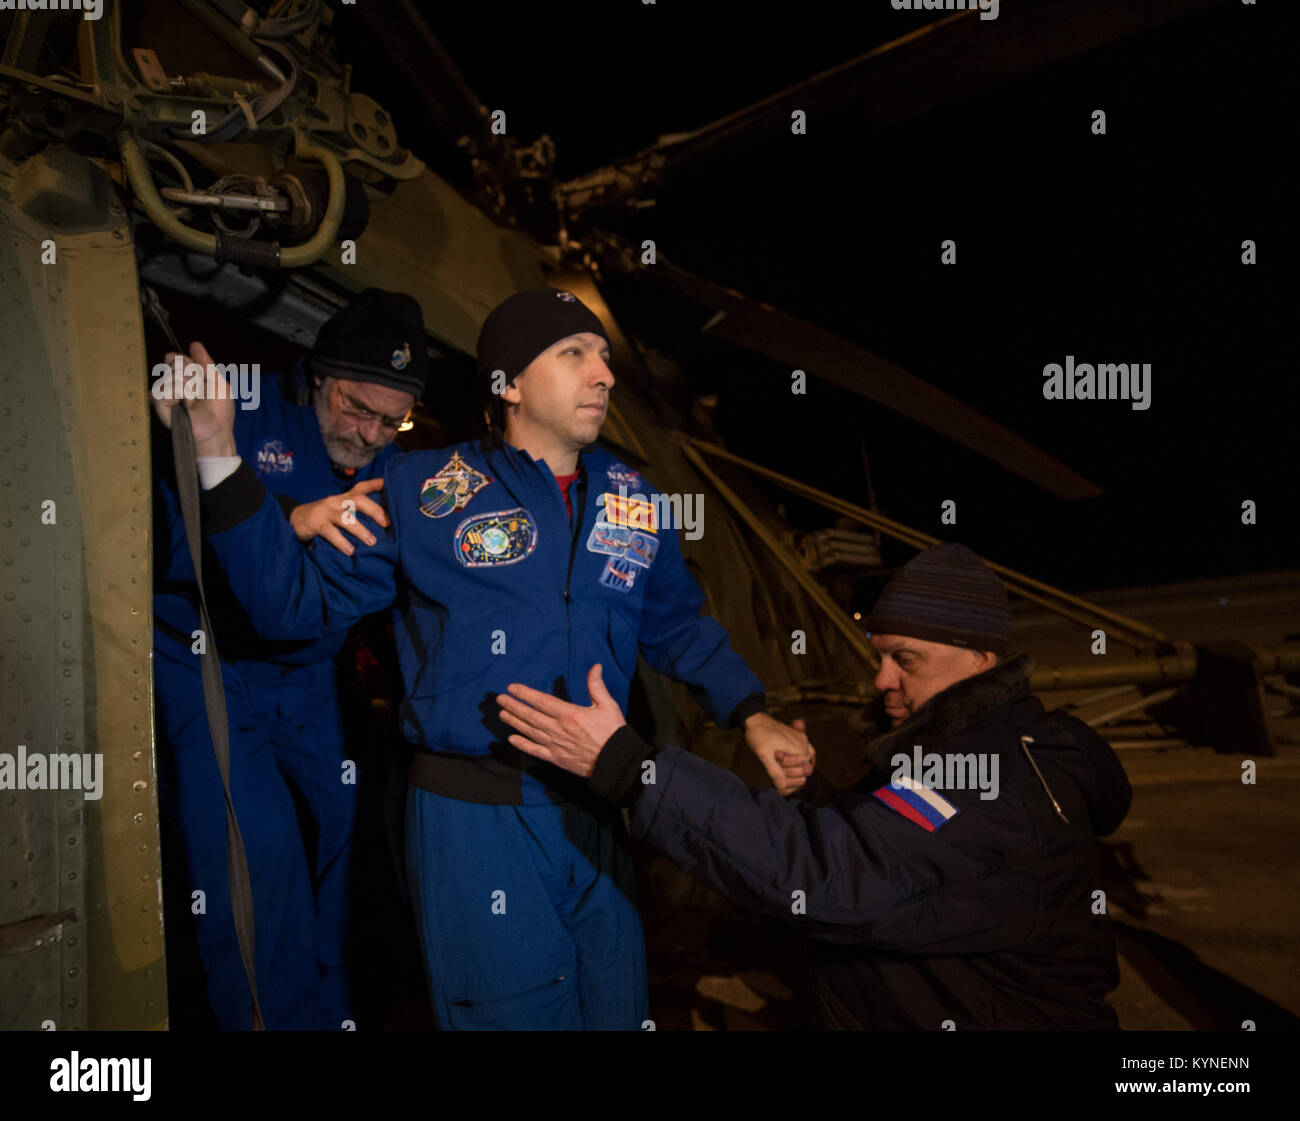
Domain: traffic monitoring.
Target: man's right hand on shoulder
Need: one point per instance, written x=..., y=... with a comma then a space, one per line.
x=323, y=517
x=212, y=415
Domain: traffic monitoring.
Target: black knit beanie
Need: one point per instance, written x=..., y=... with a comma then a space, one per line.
x=519, y=328
x=379, y=337
x=945, y=594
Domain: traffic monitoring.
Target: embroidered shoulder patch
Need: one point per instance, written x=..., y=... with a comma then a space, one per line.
x=451, y=488
x=919, y=804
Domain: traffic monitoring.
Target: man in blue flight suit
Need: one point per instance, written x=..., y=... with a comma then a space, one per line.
x=318, y=441
x=504, y=556
x=957, y=884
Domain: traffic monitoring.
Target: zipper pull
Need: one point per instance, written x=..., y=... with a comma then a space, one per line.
x=1025, y=741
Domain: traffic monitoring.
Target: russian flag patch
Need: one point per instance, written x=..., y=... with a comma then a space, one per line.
x=918, y=804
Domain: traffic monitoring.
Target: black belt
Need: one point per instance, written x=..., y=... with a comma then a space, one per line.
x=495, y=780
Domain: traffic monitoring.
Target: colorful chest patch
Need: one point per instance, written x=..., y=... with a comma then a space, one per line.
x=606, y=538
x=629, y=511
x=272, y=458
x=501, y=537
x=918, y=804
x=619, y=574
x=641, y=548
x=451, y=488
x=625, y=533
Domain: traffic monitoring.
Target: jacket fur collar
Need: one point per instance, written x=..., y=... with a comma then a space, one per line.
x=956, y=708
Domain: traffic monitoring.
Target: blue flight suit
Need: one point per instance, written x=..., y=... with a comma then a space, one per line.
x=285, y=730
x=522, y=881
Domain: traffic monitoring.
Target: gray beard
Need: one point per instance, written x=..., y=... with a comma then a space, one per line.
x=341, y=451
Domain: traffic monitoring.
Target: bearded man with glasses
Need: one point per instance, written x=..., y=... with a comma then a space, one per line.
x=319, y=441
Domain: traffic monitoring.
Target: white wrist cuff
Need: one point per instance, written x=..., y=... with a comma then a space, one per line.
x=214, y=469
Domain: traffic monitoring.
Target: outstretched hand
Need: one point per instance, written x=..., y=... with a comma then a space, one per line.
x=568, y=735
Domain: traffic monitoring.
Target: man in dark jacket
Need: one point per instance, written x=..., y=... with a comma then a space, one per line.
x=957, y=885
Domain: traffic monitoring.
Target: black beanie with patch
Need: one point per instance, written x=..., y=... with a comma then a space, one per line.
x=378, y=337
x=519, y=328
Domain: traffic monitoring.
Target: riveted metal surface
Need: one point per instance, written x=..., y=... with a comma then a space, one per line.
x=42, y=696
x=74, y=633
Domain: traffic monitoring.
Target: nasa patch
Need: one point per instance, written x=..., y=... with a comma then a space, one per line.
x=401, y=357
x=620, y=474
x=272, y=458
x=501, y=537
x=451, y=488
x=567, y=297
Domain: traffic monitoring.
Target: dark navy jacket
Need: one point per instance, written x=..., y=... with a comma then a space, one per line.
x=281, y=441
x=988, y=921
x=490, y=584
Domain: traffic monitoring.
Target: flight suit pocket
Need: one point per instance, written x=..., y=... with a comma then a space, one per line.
x=551, y=1002
x=621, y=637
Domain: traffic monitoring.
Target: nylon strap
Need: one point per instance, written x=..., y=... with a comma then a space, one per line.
x=214, y=696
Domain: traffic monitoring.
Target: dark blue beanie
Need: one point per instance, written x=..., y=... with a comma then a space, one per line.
x=945, y=594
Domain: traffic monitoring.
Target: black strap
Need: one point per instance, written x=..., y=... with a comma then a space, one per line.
x=214, y=696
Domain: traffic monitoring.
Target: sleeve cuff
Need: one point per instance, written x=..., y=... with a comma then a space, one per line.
x=617, y=774
x=215, y=469
x=287, y=504
x=755, y=702
x=817, y=791
x=232, y=501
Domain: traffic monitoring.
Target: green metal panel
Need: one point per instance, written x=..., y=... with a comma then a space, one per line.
x=80, y=882
x=426, y=240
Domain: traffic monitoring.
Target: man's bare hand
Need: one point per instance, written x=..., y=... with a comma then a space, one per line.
x=212, y=416
x=797, y=767
x=323, y=517
x=570, y=736
x=784, y=750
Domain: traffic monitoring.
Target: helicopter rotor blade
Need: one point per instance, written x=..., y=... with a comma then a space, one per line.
x=919, y=72
x=798, y=344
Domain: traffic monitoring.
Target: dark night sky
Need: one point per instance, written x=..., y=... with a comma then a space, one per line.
x=1113, y=249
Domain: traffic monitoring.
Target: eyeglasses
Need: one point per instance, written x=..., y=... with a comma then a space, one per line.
x=354, y=410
